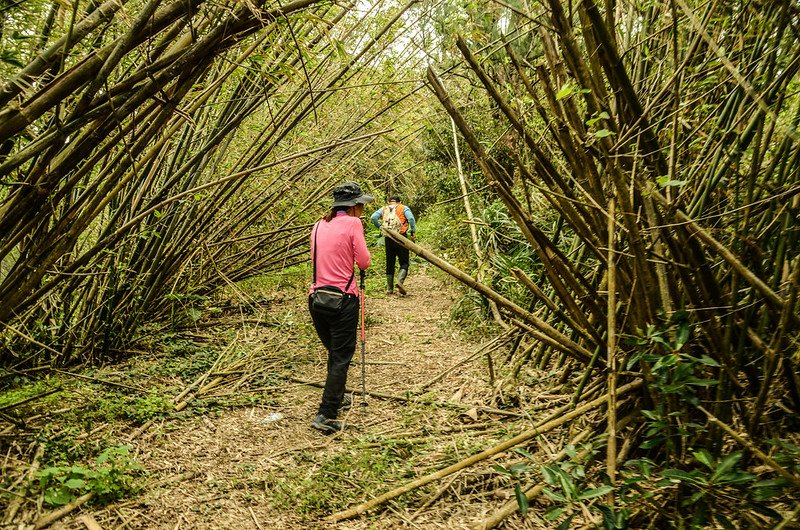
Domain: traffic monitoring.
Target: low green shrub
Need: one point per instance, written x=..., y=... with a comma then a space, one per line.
x=113, y=476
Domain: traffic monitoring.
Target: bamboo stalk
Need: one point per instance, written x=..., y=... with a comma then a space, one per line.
x=611, y=330
x=481, y=259
x=772, y=356
x=547, y=252
x=45, y=58
x=49, y=518
x=694, y=229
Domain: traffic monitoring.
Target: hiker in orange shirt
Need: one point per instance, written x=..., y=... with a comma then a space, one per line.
x=396, y=216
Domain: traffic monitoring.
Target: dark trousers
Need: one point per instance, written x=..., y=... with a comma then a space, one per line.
x=338, y=334
x=393, y=250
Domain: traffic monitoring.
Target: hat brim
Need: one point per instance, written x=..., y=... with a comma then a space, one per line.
x=361, y=199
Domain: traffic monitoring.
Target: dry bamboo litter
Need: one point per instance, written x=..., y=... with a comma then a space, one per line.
x=27, y=480
x=789, y=519
x=493, y=344
x=508, y=444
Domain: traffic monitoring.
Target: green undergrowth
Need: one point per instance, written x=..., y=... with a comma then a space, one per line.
x=81, y=418
x=114, y=474
x=84, y=422
x=683, y=475
x=322, y=482
x=289, y=280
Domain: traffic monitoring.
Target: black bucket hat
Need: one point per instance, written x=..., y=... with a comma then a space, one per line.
x=349, y=194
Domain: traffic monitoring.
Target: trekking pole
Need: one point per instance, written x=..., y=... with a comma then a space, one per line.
x=363, y=275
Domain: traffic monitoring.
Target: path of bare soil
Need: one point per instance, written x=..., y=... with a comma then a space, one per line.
x=263, y=466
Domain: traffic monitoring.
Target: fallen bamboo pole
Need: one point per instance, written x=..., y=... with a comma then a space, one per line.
x=49, y=518
x=90, y=522
x=508, y=444
x=412, y=399
x=544, y=331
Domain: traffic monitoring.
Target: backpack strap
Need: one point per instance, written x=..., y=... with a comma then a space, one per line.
x=314, y=257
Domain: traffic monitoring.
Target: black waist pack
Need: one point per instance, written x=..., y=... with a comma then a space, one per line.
x=327, y=299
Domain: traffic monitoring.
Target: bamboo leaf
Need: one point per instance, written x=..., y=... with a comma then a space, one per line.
x=566, y=91
x=554, y=513
x=704, y=457
x=567, y=523
x=595, y=492
x=522, y=500
x=725, y=465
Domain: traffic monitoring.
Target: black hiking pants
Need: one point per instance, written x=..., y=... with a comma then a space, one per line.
x=338, y=334
x=395, y=251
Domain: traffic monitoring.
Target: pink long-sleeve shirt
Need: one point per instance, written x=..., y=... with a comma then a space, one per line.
x=339, y=243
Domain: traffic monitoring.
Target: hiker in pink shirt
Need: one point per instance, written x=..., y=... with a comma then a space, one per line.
x=337, y=244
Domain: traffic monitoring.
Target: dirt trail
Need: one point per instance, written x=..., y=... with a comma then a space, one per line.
x=264, y=466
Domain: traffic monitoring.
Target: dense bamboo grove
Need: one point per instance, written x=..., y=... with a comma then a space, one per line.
x=153, y=153
x=665, y=138
x=705, y=223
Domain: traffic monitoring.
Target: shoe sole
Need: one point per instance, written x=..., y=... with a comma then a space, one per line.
x=400, y=289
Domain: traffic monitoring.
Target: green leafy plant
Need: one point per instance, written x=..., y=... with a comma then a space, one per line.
x=567, y=487
x=515, y=471
x=711, y=491
x=706, y=485
x=186, y=306
x=113, y=476
x=676, y=378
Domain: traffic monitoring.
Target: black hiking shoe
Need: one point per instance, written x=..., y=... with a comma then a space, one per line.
x=347, y=402
x=327, y=425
